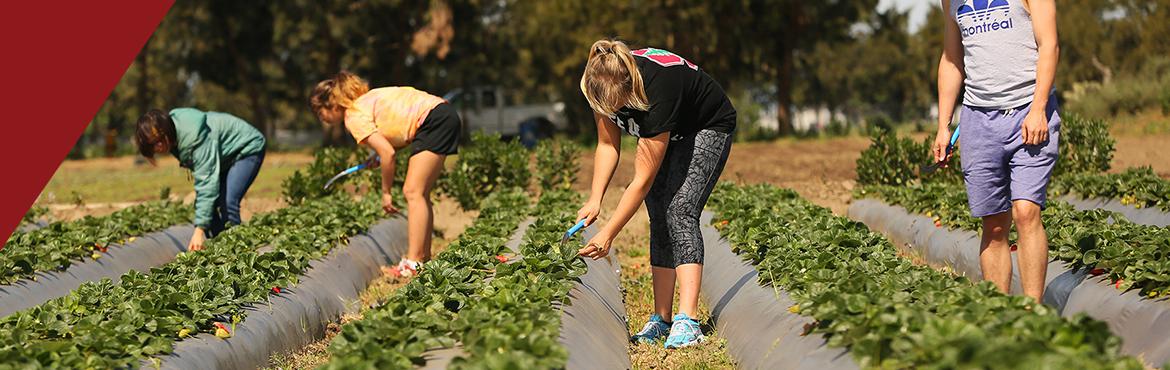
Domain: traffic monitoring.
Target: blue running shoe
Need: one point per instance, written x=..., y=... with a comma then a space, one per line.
x=655, y=328
x=685, y=332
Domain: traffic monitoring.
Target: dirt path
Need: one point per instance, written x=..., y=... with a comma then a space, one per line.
x=821, y=170
x=1143, y=150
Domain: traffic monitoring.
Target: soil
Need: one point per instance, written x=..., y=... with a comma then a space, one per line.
x=1142, y=150
x=821, y=170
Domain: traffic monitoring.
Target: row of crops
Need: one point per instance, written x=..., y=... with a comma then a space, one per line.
x=1134, y=256
x=106, y=325
x=1124, y=265
x=493, y=299
x=55, y=247
x=889, y=312
x=1086, y=150
x=494, y=305
x=139, y=317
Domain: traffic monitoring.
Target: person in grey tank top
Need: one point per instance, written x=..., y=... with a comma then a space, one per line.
x=1003, y=54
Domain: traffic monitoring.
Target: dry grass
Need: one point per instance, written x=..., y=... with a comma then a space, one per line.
x=125, y=179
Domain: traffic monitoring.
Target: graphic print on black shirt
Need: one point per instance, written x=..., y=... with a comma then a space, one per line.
x=683, y=99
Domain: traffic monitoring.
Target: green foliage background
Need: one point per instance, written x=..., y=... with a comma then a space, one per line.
x=260, y=60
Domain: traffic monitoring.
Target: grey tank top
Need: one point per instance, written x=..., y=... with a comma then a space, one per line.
x=999, y=52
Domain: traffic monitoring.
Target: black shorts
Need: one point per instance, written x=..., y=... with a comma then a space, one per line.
x=439, y=132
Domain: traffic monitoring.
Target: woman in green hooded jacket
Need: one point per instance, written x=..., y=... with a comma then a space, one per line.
x=223, y=152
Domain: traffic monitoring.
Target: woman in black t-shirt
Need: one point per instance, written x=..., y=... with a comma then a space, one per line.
x=683, y=122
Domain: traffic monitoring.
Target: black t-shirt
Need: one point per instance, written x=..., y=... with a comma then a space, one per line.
x=683, y=99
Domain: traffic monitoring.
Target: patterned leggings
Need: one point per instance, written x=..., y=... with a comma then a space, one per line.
x=688, y=174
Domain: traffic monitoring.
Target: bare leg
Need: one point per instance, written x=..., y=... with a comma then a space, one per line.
x=690, y=278
x=995, y=257
x=421, y=173
x=1033, y=251
x=663, y=291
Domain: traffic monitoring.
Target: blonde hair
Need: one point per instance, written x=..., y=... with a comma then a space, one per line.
x=611, y=79
x=339, y=91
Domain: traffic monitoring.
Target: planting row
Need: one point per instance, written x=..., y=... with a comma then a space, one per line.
x=889, y=312
x=1086, y=150
x=420, y=315
x=1136, y=187
x=499, y=309
x=1134, y=256
x=1141, y=323
x=486, y=165
x=58, y=245
x=108, y=325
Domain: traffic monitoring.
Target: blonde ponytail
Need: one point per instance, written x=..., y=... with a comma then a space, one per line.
x=339, y=91
x=611, y=79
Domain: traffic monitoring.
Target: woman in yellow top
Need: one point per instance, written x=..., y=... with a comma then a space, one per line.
x=388, y=119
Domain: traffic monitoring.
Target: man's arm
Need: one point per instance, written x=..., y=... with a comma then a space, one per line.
x=1043, y=14
x=950, y=81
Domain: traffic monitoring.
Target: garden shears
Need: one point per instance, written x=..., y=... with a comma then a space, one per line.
x=573, y=230
x=368, y=163
x=930, y=168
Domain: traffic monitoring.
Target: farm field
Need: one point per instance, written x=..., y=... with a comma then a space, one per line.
x=821, y=172
x=407, y=185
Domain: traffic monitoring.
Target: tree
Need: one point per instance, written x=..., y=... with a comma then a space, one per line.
x=769, y=37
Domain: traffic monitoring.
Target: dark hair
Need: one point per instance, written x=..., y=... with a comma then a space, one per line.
x=154, y=127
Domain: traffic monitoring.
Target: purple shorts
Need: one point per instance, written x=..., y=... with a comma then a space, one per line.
x=997, y=167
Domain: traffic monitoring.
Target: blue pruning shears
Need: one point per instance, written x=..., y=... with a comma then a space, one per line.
x=368, y=163
x=930, y=168
x=573, y=230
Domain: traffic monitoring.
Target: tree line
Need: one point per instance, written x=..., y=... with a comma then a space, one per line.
x=259, y=60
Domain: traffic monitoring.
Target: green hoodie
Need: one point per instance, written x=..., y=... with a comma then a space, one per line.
x=208, y=144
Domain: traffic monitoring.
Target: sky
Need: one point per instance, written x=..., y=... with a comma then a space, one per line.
x=918, y=9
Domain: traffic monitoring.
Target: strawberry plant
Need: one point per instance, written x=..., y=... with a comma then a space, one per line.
x=894, y=160
x=486, y=165
x=1138, y=187
x=1085, y=148
x=56, y=246
x=501, y=312
x=1131, y=253
x=557, y=164
x=1085, y=145
x=34, y=214
x=889, y=312
x=514, y=323
x=309, y=183
x=115, y=325
x=420, y=315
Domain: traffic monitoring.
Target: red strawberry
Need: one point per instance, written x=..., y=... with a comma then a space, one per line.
x=1097, y=271
x=1014, y=247
x=937, y=223
x=276, y=289
x=1118, y=284
x=501, y=258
